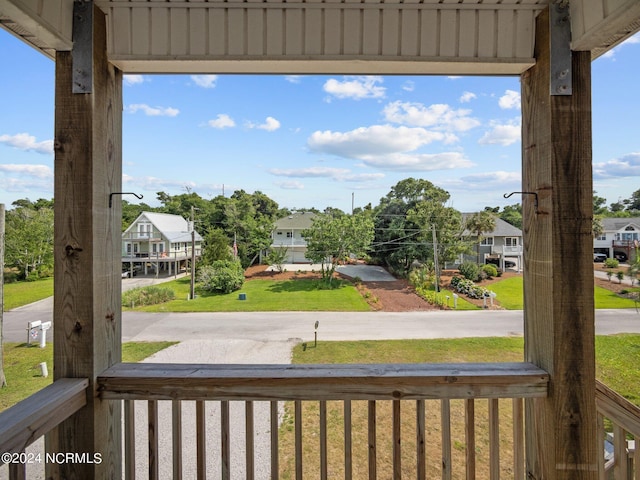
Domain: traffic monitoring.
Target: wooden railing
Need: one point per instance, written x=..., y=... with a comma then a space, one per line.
x=323, y=421
x=30, y=419
x=619, y=423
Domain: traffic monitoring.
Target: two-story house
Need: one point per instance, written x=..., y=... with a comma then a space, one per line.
x=161, y=242
x=501, y=247
x=619, y=238
x=288, y=234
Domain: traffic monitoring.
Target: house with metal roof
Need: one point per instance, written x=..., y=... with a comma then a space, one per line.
x=160, y=243
x=619, y=238
x=288, y=234
x=501, y=247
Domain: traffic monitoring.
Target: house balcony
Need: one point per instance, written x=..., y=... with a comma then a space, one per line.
x=169, y=256
x=289, y=242
x=143, y=236
x=505, y=250
x=212, y=420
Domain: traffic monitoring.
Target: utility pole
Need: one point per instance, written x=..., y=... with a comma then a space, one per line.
x=435, y=258
x=3, y=379
x=193, y=253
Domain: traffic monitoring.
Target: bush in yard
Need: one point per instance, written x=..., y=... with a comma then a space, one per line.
x=470, y=271
x=223, y=276
x=147, y=296
x=611, y=263
x=468, y=288
x=490, y=270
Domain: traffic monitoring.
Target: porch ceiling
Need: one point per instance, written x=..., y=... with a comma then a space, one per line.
x=481, y=37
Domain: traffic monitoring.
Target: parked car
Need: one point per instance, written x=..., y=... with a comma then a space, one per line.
x=599, y=257
x=620, y=256
x=125, y=274
x=496, y=262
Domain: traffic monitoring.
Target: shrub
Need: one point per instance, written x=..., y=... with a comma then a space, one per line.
x=470, y=271
x=147, y=296
x=468, y=288
x=490, y=270
x=422, y=277
x=223, y=276
x=611, y=263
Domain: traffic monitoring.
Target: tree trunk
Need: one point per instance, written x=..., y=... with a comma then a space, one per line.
x=3, y=379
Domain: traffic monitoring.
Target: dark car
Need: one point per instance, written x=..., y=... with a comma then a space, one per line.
x=496, y=262
x=620, y=256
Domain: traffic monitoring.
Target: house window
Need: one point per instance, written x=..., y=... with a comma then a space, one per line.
x=289, y=234
x=511, y=241
x=602, y=237
x=144, y=229
x=487, y=241
x=278, y=233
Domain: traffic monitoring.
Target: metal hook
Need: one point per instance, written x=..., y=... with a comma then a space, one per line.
x=139, y=197
x=535, y=201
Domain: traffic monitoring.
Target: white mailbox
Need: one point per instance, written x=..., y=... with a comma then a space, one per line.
x=44, y=326
x=33, y=330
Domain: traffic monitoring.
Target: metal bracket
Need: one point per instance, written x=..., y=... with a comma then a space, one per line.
x=82, y=51
x=138, y=196
x=560, y=40
x=535, y=200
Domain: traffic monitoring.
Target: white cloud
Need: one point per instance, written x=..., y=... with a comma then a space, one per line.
x=153, y=111
x=408, y=86
x=611, y=54
x=466, y=97
x=355, y=88
x=28, y=143
x=270, y=125
x=130, y=80
x=155, y=184
x=221, y=121
x=374, y=140
x=423, y=162
x=338, y=174
x=504, y=134
x=625, y=166
x=37, y=171
x=439, y=116
x=205, y=81
x=293, y=78
x=491, y=180
x=290, y=185
x=510, y=99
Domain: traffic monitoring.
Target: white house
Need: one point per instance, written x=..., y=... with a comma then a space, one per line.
x=502, y=246
x=159, y=241
x=288, y=234
x=619, y=238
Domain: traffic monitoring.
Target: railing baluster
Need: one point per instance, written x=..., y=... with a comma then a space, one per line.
x=494, y=439
x=372, y=440
x=323, y=440
x=518, y=439
x=470, y=437
x=153, y=439
x=445, y=420
x=224, y=440
x=249, y=441
x=18, y=471
x=421, y=457
x=298, y=435
x=348, y=459
x=619, y=452
x=275, y=474
x=129, y=439
x=397, y=451
x=602, y=435
x=176, y=431
x=636, y=458
x=201, y=440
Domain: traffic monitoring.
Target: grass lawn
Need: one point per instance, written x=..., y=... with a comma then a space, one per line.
x=617, y=366
x=509, y=293
x=22, y=293
x=22, y=367
x=265, y=296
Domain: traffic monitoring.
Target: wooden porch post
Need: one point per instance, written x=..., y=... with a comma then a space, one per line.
x=87, y=247
x=558, y=275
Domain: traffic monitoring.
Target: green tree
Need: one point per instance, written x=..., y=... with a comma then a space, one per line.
x=331, y=238
x=480, y=223
x=217, y=246
x=222, y=276
x=29, y=239
x=277, y=257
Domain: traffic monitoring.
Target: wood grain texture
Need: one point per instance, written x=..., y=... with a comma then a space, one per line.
x=558, y=272
x=87, y=248
x=321, y=382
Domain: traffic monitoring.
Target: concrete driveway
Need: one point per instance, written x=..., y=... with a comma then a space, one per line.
x=367, y=273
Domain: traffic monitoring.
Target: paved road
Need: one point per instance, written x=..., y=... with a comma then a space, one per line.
x=281, y=326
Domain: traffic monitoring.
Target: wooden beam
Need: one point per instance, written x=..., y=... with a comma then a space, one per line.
x=87, y=286
x=321, y=382
x=558, y=274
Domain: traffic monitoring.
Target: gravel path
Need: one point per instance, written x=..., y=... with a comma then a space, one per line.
x=212, y=351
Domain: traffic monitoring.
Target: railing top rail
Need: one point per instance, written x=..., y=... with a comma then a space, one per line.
x=28, y=420
x=618, y=409
x=322, y=382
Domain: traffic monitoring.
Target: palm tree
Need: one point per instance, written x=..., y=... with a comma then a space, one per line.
x=480, y=223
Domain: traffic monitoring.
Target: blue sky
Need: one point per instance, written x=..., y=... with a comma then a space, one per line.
x=316, y=141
